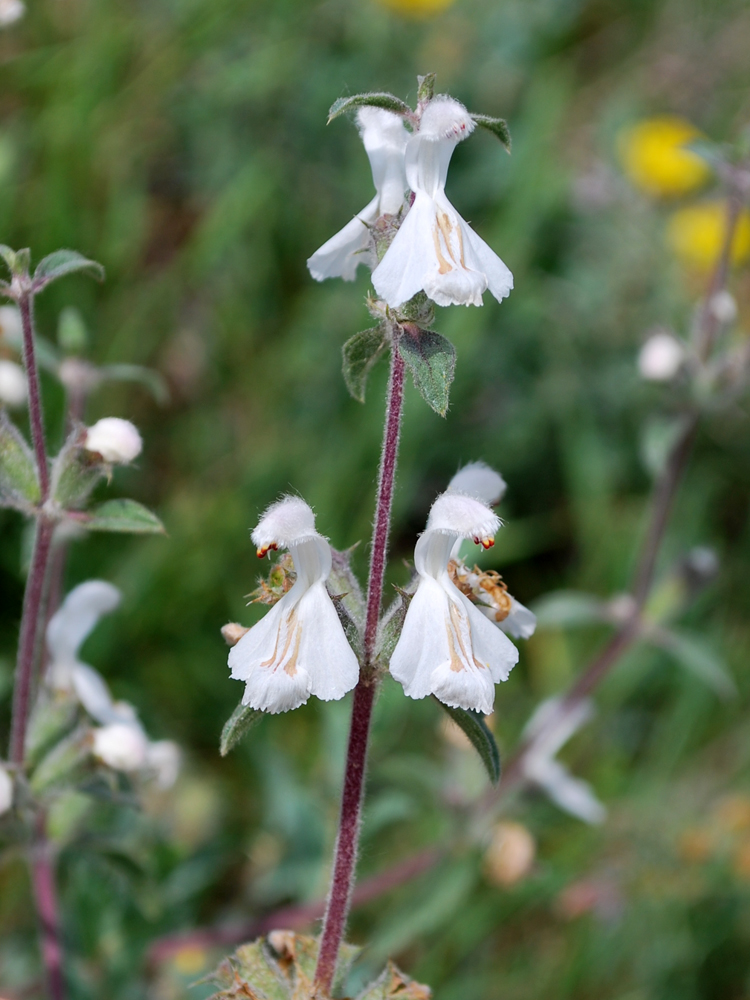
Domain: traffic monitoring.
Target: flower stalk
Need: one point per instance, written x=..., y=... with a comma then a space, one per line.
x=345, y=855
x=45, y=895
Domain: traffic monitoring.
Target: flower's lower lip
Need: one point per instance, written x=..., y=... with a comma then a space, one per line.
x=261, y=552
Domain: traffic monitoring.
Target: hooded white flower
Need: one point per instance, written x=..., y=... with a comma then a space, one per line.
x=384, y=138
x=478, y=480
x=661, y=357
x=120, y=740
x=435, y=250
x=549, y=728
x=116, y=440
x=11, y=11
x=447, y=646
x=299, y=648
x=14, y=387
x=6, y=790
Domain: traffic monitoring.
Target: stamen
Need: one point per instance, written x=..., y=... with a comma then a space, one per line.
x=264, y=549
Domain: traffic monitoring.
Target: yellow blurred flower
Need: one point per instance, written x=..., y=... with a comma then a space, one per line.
x=190, y=960
x=510, y=855
x=417, y=8
x=654, y=159
x=696, y=234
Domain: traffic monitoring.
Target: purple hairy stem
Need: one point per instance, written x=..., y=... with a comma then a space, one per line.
x=345, y=854
x=36, y=413
x=45, y=895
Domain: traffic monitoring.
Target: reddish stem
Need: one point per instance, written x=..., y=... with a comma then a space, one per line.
x=43, y=879
x=345, y=854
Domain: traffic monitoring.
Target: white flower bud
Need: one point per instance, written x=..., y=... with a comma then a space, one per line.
x=11, y=11
x=724, y=306
x=116, y=440
x=11, y=328
x=163, y=759
x=13, y=385
x=661, y=357
x=121, y=746
x=6, y=791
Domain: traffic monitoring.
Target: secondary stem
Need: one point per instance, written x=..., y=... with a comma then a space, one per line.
x=36, y=413
x=345, y=855
x=43, y=879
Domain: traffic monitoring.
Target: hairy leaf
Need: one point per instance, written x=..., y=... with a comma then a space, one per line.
x=564, y=608
x=392, y=984
x=63, y=262
x=498, y=127
x=242, y=719
x=146, y=377
x=386, y=101
x=697, y=656
x=425, y=87
x=391, y=624
x=63, y=764
x=481, y=737
x=360, y=354
x=123, y=515
x=431, y=359
x=19, y=484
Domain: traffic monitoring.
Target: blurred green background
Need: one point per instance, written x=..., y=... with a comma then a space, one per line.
x=183, y=144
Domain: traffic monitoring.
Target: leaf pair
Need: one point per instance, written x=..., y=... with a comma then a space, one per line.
x=430, y=357
x=55, y=265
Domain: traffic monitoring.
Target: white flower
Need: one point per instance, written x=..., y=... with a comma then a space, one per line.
x=11, y=11
x=384, y=138
x=478, y=480
x=14, y=387
x=120, y=740
x=6, y=791
x=121, y=746
x=435, y=250
x=661, y=357
x=447, y=646
x=116, y=440
x=549, y=728
x=483, y=483
x=299, y=648
x=11, y=327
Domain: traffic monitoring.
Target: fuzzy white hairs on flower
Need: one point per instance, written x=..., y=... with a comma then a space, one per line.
x=477, y=479
x=299, y=648
x=447, y=646
x=384, y=138
x=116, y=440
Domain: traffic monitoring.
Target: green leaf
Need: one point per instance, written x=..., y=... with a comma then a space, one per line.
x=252, y=966
x=17, y=261
x=431, y=359
x=52, y=718
x=386, y=101
x=237, y=725
x=64, y=762
x=19, y=484
x=123, y=515
x=694, y=653
x=481, y=737
x=425, y=87
x=72, y=335
x=75, y=472
x=565, y=608
x=391, y=625
x=498, y=127
x=63, y=262
x=360, y=354
x=392, y=984
x=8, y=255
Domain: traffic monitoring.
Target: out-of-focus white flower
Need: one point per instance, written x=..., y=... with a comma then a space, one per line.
x=11, y=11
x=478, y=480
x=435, y=250
x=299, y=648
x=510, y=853
x=14, y=387
x=661, y=357
x=120, y=740
x=116, y=440
x=549, y=728
x=724, y=306
x=486, y=588
x=384, y=138
x=6, y=790
x=11, y=328
x=163, y=758
x=447, y=646
x=121, y=746
x=70, y=626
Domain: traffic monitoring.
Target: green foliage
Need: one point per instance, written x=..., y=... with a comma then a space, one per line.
x=360, y=354
x=61, y=262
x=19, y=484
x=426, y=87
x=242, y=719
x=480, y=736
x=497, y=126
x=431, y=359
x=123, y=516
x=385, y=101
